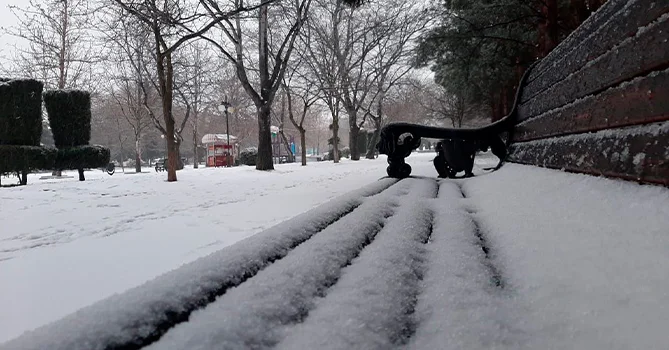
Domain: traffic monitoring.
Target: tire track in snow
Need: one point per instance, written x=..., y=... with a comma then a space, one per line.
x=253, y=315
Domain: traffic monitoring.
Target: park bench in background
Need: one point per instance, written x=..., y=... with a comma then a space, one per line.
x=353, y=273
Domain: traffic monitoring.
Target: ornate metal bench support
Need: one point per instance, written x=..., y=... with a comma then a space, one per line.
x=398, y=140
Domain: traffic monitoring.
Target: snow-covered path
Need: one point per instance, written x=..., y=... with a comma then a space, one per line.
x=523, y=258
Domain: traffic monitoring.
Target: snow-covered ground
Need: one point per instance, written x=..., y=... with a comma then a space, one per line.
x=65, y=244
x=524, y=258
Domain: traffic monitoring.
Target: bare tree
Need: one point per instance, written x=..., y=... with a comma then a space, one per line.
x=279, y=117
x=370, y=46
x=319, y=58
x=306, y=93
x=197, y=86
x=59, y=48
x=391, y=61
x=129, y=89
x=440, y=105
x=172, y=23
x=274, y=50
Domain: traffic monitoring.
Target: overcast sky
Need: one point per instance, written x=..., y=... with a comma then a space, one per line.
x=7, y=19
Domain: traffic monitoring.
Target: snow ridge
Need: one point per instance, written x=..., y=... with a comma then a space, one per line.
x=250, y=316
x=372, y=305
x=461, y=306
x=142, y=314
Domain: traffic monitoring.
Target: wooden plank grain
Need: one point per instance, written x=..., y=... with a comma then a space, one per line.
x=587, y=44
x=643, y=100
x=596, y=21
x=636, y=56
x=639, y=153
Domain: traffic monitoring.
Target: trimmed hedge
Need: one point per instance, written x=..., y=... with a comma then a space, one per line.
x=69, y=116
x=20, y=112
x=81, y=157
x=248, y=157
x=19, y=158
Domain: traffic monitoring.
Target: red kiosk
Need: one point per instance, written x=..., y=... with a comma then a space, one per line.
x=218, y=149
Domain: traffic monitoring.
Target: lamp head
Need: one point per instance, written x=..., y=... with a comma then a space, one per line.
x=225, y=106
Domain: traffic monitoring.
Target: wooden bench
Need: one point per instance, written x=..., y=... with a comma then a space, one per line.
x=598, y=104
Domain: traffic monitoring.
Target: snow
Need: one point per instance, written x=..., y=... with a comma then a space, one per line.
x=384, y=280
x=251, y=315
x=460, y=306
x=585, y=257
x=523, y=258
x=66, y=244
x=642, y=30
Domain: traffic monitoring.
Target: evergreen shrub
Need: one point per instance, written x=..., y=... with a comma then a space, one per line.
x=345, y=152
x=15, y=158
x=69, y=116
x=81, y=157
x=248, y=156
x=20, y=112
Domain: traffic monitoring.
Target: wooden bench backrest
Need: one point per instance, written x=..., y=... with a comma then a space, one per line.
x=599, y=102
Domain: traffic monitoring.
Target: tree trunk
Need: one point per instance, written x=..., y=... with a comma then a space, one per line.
x=291, y=156
x=24, y=177
x=335, y=137
x=165, y=77
x=177, y=149
x=81, y=174
x=548, y=27
x=138, y=159
x=354, y=132
x=171, y=159
x=264, y=160
x=196, y=157
x=371, y=147
x=61, y=59
x=303, y=145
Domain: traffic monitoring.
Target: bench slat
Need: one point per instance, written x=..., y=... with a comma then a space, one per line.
x=591, y=25
x=630, y=59
x=638, y=153
x=586, y=43
x=641, y=101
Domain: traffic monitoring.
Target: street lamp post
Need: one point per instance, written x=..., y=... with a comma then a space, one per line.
x=226, y=107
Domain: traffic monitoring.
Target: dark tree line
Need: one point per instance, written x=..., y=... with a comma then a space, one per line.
x=481, y=48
